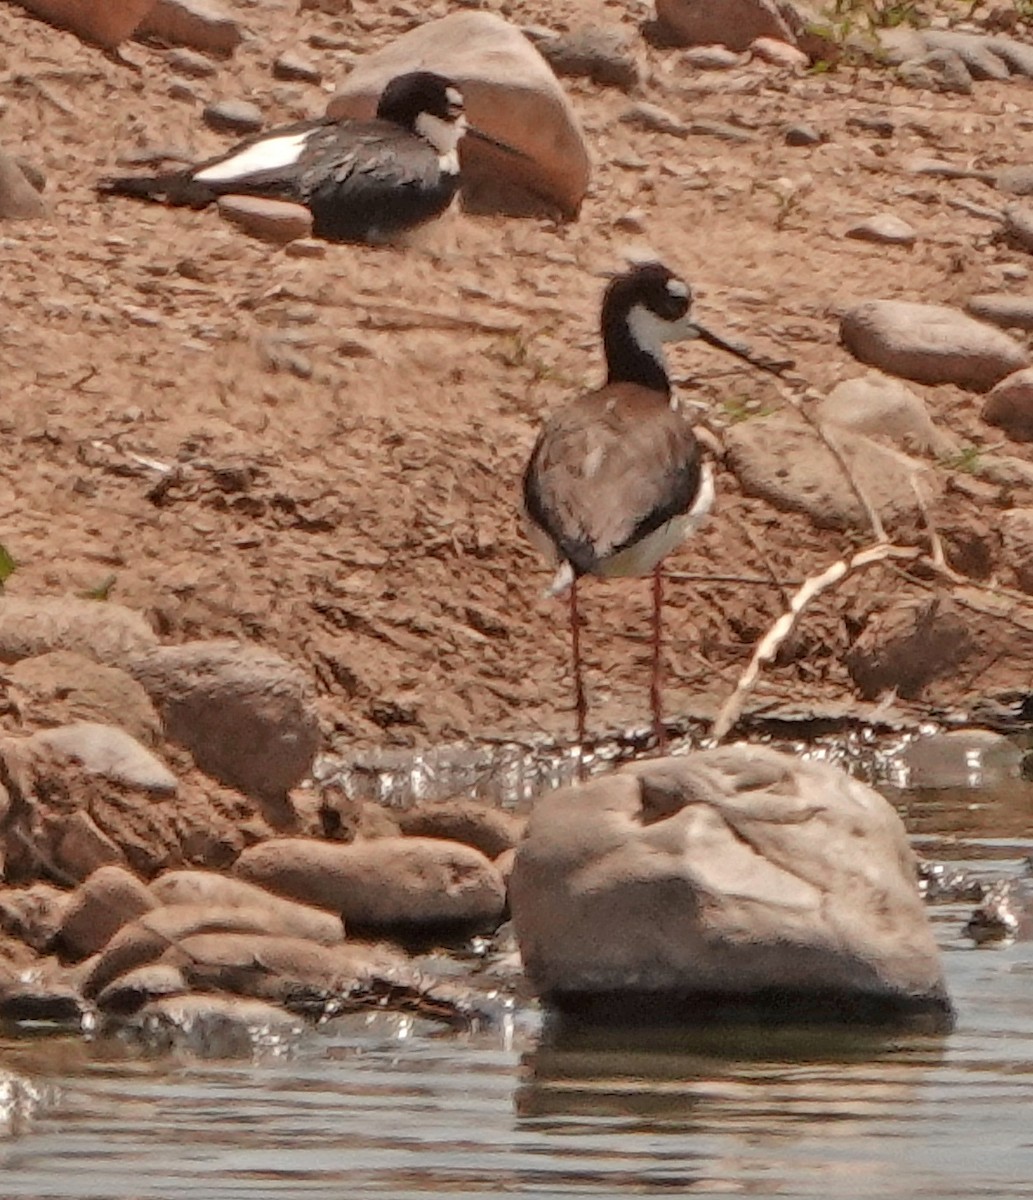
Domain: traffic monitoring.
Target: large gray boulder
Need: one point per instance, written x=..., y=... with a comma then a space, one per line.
x=728, y=880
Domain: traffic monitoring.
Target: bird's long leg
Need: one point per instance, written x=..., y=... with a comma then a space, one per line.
x=654, y=683
x=580, y=703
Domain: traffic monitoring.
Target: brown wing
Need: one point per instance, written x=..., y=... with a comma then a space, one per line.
x=609, y=469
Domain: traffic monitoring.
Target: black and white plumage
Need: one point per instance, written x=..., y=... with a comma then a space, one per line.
x=616, y=478
x=363, y=181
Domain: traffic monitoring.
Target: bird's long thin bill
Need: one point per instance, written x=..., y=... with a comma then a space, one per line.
x=774, y=366
x=486, y=137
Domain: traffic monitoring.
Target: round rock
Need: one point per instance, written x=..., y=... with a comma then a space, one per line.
x=109, y=899
x=1010, y=405
x=1003, y=310
x=876, y=405
x=731, y=23
x=930, y=343
x=244, y=713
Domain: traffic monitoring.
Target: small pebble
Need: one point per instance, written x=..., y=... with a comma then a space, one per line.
x=233, y=116
x=802, y=135
x=633, y=221
x=190, y=63
x=654, y=118
x=180, y=89
x=711, y=58
x=294, y=67
x=885, y=228
x=777, y=53
x=305, y=248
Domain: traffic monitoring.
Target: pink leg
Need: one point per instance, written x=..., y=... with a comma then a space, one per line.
x=654, y=685
x=580, y=703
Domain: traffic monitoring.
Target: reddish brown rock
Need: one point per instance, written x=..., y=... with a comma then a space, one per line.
x=908, y=646
x=106, y=22
x=731, y=23
x=270, y=220
x=1010, y=405
x=200, y=24
x=109, y=899
x=244, y=713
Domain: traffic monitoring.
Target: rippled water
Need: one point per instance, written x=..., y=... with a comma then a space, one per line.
x=389, y=1108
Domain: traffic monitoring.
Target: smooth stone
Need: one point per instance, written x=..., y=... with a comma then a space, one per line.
x=277, y=221
x=732, y=880
x=605, y=56
x=802, y=135
x=930, y=343
x=884, y=228
x=1018, y=225
x=191, y=63
x=778, y=53
x=1003, y=309
x=110, y=753
x=1009, y=405
x=233, y=116
x=486, y=828
x=245, y=713
x=200, y=24
x=391, y=883
x=106, y=22
x=711, y=58
x=62, y=687
x=209, y=888
x=291, y=66
x=731, y=23
x=879, y=406
x=218, y=1027
x=937, y=71
x=1016, y=181
x=654, y=119
x=101, y=905
x=783, y=461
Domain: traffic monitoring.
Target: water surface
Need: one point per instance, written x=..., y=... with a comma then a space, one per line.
x=391, y=1108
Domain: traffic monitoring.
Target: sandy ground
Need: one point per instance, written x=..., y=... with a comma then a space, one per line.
x=362, y=519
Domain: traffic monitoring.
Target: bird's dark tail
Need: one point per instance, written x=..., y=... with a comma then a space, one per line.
x=143, y=187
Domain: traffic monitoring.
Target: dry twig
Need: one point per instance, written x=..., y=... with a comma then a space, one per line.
x=768, y=646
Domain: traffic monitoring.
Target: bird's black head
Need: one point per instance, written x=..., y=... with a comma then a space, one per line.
x=650, y=286
x=420, y=93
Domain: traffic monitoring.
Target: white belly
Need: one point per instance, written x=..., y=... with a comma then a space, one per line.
x=643, y=556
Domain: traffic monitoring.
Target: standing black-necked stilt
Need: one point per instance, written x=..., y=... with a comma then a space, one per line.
x=617, y=479
x=363, y=181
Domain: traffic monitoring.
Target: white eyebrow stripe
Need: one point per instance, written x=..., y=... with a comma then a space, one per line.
x=453, y=96
x=676, y=288
x=269, y=154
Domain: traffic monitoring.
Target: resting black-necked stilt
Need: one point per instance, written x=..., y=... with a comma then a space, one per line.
x=617, y=479
x=362, y=180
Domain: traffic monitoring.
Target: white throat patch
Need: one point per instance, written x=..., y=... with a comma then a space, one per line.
x=649, y=332
x=268, y=154
x=445, y=137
